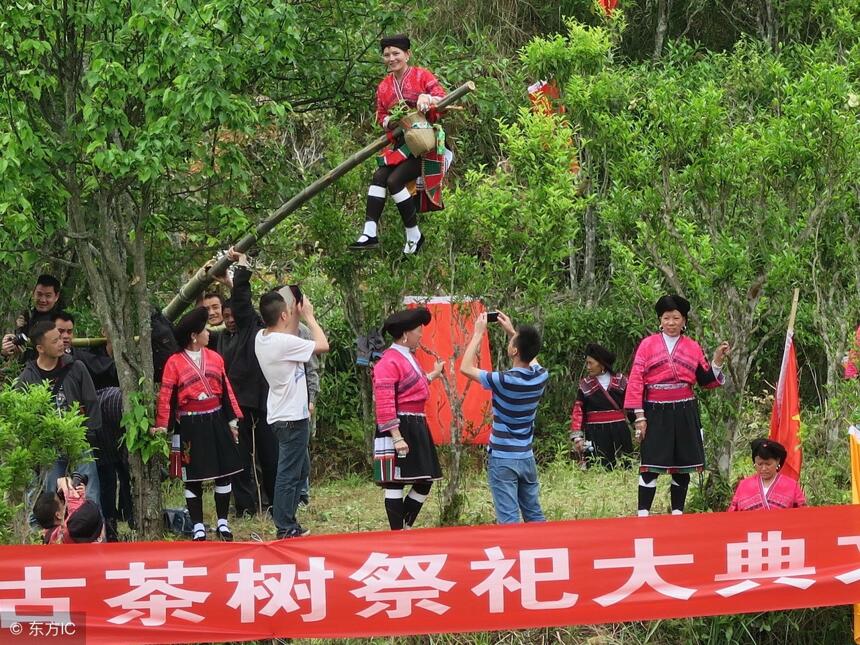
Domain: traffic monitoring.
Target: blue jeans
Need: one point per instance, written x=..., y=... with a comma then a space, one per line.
x=61, y=468
x=292, y=439
x=514, y=485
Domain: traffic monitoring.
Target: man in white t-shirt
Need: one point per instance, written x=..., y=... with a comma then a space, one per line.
x=282, y=356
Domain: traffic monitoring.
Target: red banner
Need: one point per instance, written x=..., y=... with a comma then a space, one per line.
x=435, y=580
x=445, y=338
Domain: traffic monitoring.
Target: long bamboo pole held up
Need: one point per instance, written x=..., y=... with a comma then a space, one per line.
x=202, y=278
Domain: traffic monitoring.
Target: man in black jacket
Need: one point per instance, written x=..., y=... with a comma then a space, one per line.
x=69, y=381
x=46, y=301
x=257, y=443
x=98, y=362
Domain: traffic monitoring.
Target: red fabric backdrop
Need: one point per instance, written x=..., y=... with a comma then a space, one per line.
x=445, y=338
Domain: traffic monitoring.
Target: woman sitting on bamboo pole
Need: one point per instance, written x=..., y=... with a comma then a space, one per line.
x=419, y=156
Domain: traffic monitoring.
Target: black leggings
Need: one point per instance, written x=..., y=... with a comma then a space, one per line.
x=677, y=491
x=401, y=512
x=394, y=180
x=194, y=501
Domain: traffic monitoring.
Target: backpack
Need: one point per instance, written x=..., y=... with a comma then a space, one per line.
x=178, y=521
x=163, y=342
x=369, y=348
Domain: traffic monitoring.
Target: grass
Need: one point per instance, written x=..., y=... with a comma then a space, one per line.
x=355, y=504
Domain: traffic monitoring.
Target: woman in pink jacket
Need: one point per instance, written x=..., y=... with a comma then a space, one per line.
x=768, y=489
x=660, y=393
x=403, y=449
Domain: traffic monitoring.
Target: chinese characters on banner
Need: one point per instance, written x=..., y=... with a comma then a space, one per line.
x=438, y=580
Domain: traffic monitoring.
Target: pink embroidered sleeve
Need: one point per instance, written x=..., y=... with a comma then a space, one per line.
x=635, y=396
x=385, y=378
x=705, y=375
x=384, y=100
x=578, y=413
x=799, y=497
x=168, y=382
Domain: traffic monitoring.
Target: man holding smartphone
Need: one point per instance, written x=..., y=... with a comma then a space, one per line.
x=511, y=467
x=282, y=356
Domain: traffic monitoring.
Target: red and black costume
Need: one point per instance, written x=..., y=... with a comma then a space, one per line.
x=661, y=383
x=665, y=369
x=599, y=414
x=197, y=402
x=400, y=392
x=398, y=168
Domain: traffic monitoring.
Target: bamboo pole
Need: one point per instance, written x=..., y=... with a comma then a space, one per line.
x=791, y=318
x=202, y=278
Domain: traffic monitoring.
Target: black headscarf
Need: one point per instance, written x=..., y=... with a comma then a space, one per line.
x=672, y=303
x=400, y=322
x=401, y=41
x=193, y=322
x=601, y=355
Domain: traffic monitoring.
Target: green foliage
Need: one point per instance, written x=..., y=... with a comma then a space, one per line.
x=137, y=424
x=583, y=51
x=33, y=433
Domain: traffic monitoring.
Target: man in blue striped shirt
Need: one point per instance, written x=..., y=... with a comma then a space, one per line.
x=511, y=468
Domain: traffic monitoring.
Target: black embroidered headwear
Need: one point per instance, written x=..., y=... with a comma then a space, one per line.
x=400, y=322
x=401, y=41
x=672, y=303
x=193, y=322
x=601, y=355
x=768, y=449
x=85, y=524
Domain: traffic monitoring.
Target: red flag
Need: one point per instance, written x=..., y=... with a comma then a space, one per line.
x=785, y=418
x=608, y=5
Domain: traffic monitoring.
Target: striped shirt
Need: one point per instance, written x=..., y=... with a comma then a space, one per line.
x=516, y=394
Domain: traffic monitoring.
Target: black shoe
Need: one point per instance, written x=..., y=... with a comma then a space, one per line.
x=199, y=536
x=304, y=500
x=416, y=246
x=224, y=535
x=363, y=245
x=296, y=532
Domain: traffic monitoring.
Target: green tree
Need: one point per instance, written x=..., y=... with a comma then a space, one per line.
x=120, y=117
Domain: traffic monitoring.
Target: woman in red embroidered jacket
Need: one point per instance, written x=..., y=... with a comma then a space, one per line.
x=768, y=489
x=660, y=393
x=598, y=415
x=403, y=449
x=196, y=400
x=420, y=90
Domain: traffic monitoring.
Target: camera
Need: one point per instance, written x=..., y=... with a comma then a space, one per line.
x=492, y=316
x=20, y=339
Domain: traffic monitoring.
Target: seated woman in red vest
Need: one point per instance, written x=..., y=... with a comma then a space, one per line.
x=419, y=90
x=598, y=414
x=768, y=489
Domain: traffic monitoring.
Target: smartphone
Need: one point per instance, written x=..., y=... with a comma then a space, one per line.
x=492, y=316
x=297, y=293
